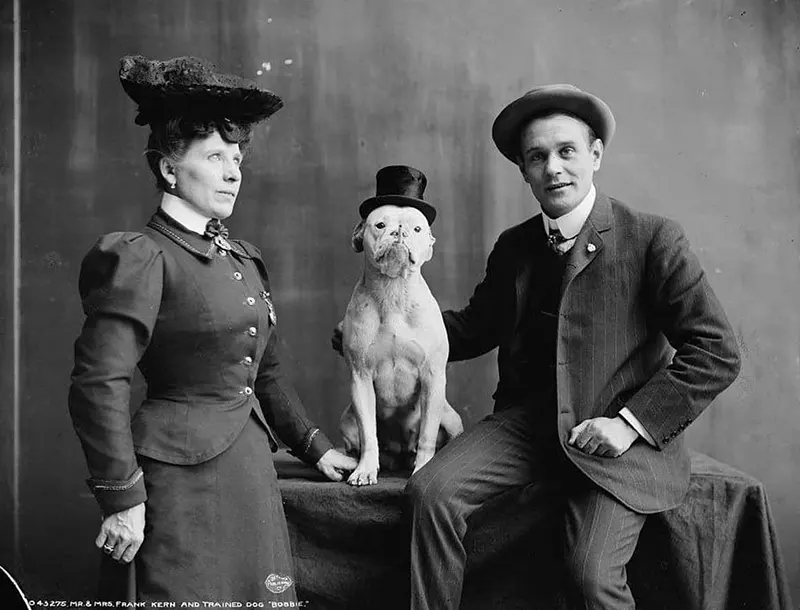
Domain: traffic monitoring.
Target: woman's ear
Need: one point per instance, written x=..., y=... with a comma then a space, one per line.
x=168, y=171
x=358, y=237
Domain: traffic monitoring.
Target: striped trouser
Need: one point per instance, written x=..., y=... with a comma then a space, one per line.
x=503, y=451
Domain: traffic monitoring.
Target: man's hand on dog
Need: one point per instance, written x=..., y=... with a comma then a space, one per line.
x=603, y=436
x=334, y=464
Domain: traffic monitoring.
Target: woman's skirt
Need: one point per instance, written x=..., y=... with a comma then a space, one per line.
x=216, y=531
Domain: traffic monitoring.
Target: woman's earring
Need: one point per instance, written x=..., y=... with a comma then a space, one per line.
x=172, y=185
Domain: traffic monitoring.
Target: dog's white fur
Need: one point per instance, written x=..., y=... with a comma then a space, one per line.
x=395, y=344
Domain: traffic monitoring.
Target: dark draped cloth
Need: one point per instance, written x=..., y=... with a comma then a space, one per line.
x=717, y=550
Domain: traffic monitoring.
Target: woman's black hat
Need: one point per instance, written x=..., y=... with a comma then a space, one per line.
x=190, y=86
x=399, y=185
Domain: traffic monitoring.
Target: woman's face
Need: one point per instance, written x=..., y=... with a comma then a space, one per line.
x=208, y=177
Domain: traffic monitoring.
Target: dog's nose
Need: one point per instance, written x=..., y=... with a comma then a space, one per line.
x=399, y=231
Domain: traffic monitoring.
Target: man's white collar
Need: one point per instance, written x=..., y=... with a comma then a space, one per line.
x=571, y=223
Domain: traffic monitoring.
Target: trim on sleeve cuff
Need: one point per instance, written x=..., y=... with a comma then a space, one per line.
x=315, y=444
x=115, y=496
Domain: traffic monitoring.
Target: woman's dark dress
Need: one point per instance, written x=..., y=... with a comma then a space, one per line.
x=199, y=321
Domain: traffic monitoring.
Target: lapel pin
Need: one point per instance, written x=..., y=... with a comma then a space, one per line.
x=591, y=248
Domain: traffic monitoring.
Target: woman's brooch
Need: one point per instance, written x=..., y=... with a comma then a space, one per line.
x=272, y=317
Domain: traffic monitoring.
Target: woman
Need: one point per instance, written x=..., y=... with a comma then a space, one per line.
x=187, y=486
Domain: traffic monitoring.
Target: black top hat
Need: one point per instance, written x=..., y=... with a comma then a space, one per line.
x=399, y=185
x=189, y=86
x=545, y=99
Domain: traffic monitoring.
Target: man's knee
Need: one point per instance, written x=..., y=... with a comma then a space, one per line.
x=594, y=580
x=586, y=576
x=429, y=493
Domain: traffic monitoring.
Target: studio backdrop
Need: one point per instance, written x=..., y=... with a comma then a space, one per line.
x=706, y=99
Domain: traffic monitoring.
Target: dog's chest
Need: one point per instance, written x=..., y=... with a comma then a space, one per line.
x=396, y=342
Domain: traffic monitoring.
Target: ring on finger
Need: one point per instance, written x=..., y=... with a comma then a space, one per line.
x=108, y=548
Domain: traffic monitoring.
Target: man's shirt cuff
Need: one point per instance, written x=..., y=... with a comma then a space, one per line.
x=625, y=413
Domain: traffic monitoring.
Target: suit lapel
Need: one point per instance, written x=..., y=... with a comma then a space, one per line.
x=589, y=242
x=587, y=246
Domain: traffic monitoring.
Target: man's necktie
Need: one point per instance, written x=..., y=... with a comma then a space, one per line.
x=555, y=241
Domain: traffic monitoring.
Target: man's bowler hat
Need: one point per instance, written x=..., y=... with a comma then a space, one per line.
x=544, y=100
x=399, y=185
x=190, y=86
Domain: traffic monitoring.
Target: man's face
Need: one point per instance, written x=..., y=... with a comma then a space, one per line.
x=558, y=162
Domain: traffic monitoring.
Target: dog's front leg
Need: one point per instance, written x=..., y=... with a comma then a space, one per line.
x=431, y=403
x=363, y=395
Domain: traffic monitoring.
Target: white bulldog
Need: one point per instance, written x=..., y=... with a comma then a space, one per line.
x=395, y=344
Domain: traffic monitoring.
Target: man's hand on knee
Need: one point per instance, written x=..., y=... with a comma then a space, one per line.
x=603, y=436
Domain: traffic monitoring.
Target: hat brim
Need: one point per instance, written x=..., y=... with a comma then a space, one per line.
x=514, y=117
x=399, y=200
x=189, y=86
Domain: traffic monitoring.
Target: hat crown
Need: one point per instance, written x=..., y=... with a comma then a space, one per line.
x=192, y=86
x=553, y=88
x=546, y=99
x=400, y=180
x=402, y=186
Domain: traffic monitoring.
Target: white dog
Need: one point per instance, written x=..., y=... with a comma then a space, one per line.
x=395, y=344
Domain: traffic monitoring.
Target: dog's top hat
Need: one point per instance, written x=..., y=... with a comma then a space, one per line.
x=399, y=185
x=544, y=100
x=189, y=86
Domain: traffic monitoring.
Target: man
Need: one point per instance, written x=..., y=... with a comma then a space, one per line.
x=586, y=303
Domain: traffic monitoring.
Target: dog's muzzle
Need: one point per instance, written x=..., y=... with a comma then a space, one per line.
x=396, y=250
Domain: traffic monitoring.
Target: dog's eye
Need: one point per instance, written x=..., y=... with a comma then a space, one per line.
x=381, y=225
x=417, y=229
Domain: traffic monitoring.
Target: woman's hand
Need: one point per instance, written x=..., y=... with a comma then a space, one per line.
x=122, y=533
x=334, y=464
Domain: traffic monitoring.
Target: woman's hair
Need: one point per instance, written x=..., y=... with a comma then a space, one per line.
x=172, y=137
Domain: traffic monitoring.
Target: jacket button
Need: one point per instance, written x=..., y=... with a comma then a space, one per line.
x=248, y=361
x=237, y=276
x=248, y=391
x=251, y=301
x=252, y=331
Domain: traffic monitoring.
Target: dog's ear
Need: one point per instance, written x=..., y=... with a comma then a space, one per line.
x=429, y=252
x=358, y=237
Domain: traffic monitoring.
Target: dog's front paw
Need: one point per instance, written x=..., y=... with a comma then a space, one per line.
x=423, y=457
x=366, y=473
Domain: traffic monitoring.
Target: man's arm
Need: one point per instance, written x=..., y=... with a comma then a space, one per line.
x=691, y=317
x=478, y=328
x=706, y=360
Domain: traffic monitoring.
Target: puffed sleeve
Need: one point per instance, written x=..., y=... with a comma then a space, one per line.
x=120, y=286
x=279, y=400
